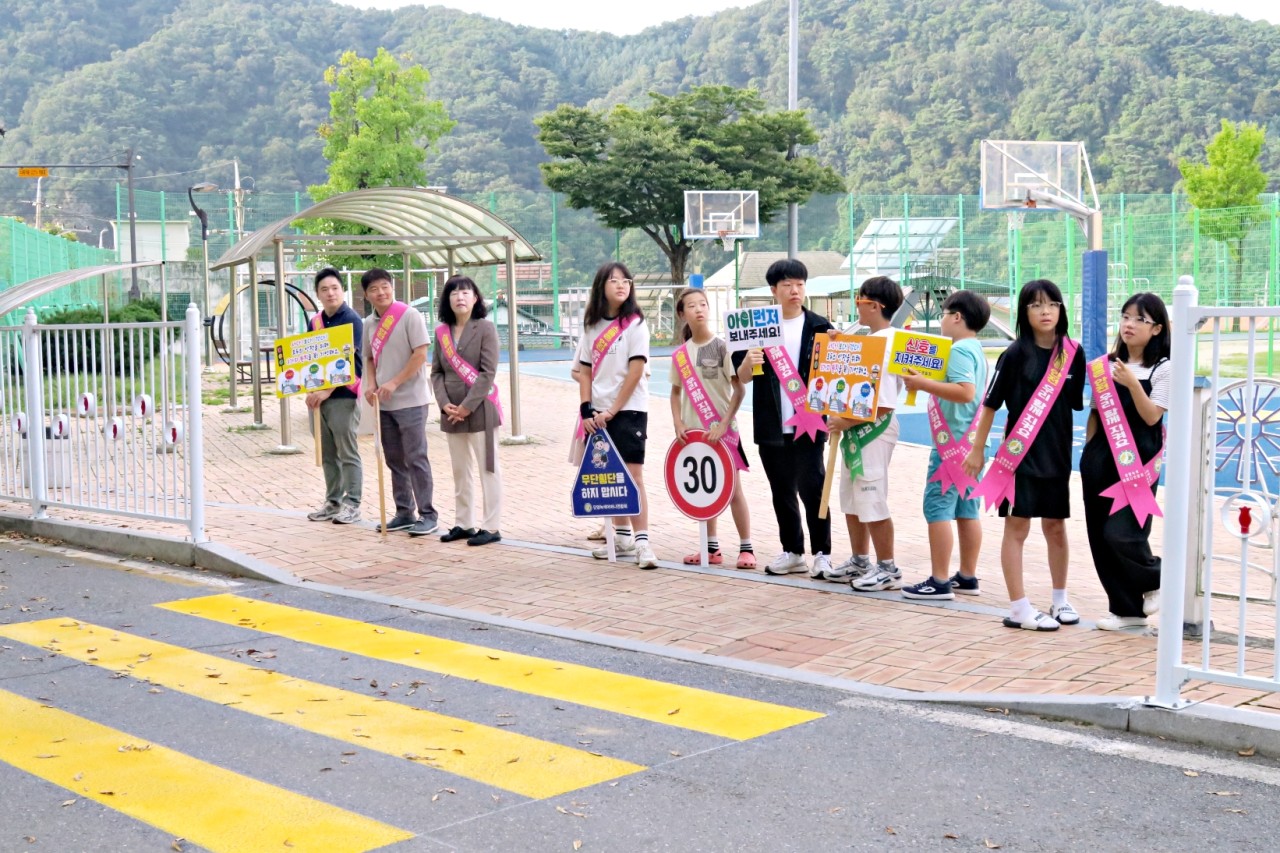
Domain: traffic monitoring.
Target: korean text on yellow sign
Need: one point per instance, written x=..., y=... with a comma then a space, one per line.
x=845, y=377
x=315, y=361
x=926, y=355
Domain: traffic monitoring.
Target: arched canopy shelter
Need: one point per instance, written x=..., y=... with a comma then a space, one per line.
x=439, y=230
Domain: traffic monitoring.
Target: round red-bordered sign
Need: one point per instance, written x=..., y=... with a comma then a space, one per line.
x=700, y=476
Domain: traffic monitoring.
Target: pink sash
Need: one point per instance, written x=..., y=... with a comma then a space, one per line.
x=702, y=405
x=387, y=322
x=805, y=422
x=317, y=323
x=599, y=347
x=952, y=450
x=460, y=366
x=1134, y=488
x=997, y=486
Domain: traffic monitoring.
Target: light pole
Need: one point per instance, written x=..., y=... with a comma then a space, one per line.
x=204, y=245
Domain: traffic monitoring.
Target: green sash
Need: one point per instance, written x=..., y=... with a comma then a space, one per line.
x=853, y=440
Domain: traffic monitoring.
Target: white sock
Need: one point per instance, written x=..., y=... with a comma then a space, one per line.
x=642, y=536
x=1059, y=597
x=713, y=544
x=1021, y=610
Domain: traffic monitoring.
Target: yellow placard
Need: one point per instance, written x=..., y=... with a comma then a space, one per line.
x=845, y=377
x=925, y=355
x=315, y=361
x=33, y=172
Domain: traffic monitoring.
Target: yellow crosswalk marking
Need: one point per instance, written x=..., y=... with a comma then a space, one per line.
x=508, y=760
x=205, y=804
x=655, y=701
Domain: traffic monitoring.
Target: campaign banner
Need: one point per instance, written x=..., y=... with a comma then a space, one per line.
x=925, y=354
x=315, y=361
x=844, y=379
x=603, y=485
x=748, y=328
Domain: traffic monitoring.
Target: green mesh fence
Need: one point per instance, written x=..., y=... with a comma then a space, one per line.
x=27, y=253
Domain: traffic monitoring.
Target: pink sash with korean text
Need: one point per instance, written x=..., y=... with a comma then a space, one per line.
x=317, y=323
x=460, y=366
x=599, y=347
x=1134, y=488
x=386, y=324
x=805, y=422
x=702, y=404
x=952, y=449
x=997, y=486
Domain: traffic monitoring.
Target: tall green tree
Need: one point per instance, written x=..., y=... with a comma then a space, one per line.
x=1225, y=189
x=381, y=125
x=632, y=166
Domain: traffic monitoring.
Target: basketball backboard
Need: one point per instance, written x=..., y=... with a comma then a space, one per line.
x=724, y=215
x=1022, y=175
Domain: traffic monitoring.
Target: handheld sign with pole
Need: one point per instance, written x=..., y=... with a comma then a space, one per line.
x=603, y=486
x=925, y=354
x=377, y=455
x=844, y=382
x=751, y=328
x=700, y=477
x=315, y=361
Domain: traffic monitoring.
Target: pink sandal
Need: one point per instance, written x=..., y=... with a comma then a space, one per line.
x=747, y=560
x=715, y=558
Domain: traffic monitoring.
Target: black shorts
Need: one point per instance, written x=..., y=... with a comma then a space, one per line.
x=1039, y=497
x=629, y=431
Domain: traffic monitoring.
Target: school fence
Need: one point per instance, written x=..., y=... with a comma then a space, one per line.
x=104, y=419
x=27, y=253
x=1222, y=506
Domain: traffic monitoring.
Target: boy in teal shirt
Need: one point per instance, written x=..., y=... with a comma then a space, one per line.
x=964, y=314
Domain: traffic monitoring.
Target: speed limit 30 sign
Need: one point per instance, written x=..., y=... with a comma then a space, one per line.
x=700, y=476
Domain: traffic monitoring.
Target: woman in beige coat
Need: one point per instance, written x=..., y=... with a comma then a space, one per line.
x=464, y=364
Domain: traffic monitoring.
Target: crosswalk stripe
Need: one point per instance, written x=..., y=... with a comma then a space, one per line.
x=215, y=808
x=508, y=760
x=656, y=701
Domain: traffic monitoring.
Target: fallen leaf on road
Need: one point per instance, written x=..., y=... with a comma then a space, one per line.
x=1224, y=793
x=1004, y=711
x=890, y=830
x=577, y=844
x=66, y=803
x=951, y=835
x=991, y=845
x=176, y=844
x=1190, y=773
x=1235, y=811
x=1247, y=752
x=673, y=711
x=513, y=760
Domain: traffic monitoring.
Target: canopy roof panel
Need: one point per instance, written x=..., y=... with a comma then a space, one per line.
x=427, y=224
x=16, y=297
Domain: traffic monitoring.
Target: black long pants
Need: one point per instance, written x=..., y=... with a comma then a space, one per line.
x=796, y=468
x=1121, y=549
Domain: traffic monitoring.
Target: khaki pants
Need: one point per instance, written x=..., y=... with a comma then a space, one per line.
x=466, y=453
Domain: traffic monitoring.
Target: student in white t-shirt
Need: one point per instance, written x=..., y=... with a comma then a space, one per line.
x=864, y=499
x=615, y=395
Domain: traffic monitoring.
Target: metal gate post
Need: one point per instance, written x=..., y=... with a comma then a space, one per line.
x=33, y=373
x=1200, y=508
x=195, y=430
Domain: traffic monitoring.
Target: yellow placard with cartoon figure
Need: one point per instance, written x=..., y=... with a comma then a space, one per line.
x=315, y=361
x=845, y=377
x=926, y=355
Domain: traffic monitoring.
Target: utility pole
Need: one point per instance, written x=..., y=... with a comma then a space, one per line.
x=134, y=290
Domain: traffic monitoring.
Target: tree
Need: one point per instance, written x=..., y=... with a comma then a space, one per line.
x=1225, y=189
x=380, y=126
x=631, y=167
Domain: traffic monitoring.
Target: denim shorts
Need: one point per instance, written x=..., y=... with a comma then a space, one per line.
x=948, y=507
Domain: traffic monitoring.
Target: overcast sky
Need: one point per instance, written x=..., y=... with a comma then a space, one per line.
x=632, y=17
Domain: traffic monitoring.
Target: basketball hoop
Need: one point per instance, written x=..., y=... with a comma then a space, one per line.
x=726, y=239
x=1015, y=219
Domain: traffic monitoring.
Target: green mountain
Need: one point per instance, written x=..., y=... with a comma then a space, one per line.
x=900, y=90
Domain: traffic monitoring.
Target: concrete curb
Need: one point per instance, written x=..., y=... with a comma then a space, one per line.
x=1202, y=724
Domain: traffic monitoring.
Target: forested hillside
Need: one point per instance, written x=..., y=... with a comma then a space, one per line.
x=900, y=90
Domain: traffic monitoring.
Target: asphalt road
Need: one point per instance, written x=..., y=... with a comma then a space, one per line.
x=146, y=708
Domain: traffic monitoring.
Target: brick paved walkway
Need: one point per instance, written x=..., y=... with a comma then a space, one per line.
x=541, y=574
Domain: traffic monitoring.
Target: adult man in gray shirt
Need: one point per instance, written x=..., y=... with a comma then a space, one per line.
x=395, y=348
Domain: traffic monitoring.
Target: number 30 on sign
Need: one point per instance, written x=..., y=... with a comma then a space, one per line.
x=700, y=476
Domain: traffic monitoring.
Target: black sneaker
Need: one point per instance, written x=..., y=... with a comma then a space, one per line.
x=964, y=585
x=485, y=537
x=398, y=522
x=457, y=533
x=929, y=590
x=423, y=527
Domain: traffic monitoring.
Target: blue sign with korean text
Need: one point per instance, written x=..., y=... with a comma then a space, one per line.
x=603, y=485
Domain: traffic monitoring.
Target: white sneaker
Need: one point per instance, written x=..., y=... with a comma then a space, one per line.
x=1111, y=622
x=847, y=571
x=645, y=558
x=821, y=566
x=623, y=546
x=879, y=578
x=785, y=563
x=1151, y=602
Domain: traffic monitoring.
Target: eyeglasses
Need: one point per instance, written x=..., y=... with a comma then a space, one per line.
x=950, y=313
x=628, y=282
x=1129, y=318
x=867, y=302
x=1045, y=307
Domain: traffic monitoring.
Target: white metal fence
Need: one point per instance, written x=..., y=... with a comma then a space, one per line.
x=104, y=418
x=1222, y=507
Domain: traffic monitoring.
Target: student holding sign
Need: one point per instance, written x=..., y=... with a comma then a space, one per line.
x=866, y=449
x=614, y=386
x=464, y=365
x=706, y=392
x=789, y=437
x=1120, y=466
x=1040, y=380
x=339, y=415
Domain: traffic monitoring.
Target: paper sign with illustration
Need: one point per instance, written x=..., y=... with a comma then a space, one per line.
x=925, y=354
x=845, y=377
x=315, y=361
x=748, y=328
